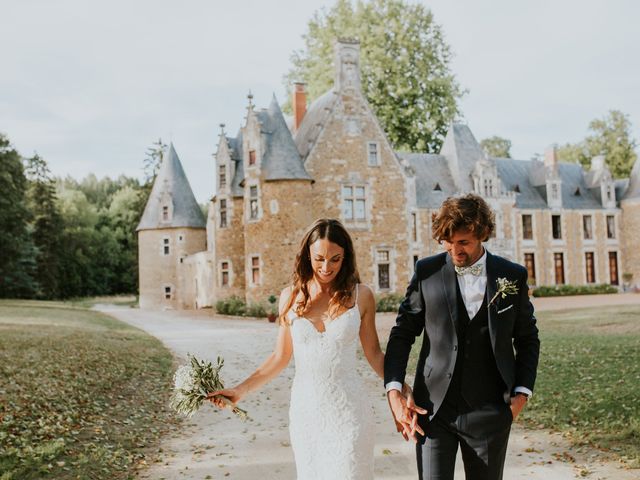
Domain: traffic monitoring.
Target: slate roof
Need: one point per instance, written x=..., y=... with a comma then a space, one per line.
x=451, y=171
x=573, y=181
x=516, y=173
x=432, y=172
x=462, y=152
x=172, y=181
x=235, y=147
x=633, y=189
x=313, y=122
x=281, y=159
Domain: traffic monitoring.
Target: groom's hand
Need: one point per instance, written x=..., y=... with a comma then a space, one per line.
x=405, y=414
x=517, y=404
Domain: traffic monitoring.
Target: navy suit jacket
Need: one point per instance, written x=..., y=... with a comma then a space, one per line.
x=430, y=306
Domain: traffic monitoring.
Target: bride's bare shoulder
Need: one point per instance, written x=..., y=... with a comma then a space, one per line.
x=365, y=295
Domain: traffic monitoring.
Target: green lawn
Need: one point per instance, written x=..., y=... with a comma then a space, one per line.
x=81, y=395
x=588, y=384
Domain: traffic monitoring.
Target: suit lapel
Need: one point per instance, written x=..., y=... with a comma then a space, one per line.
x=449, y=283
x=492, y=288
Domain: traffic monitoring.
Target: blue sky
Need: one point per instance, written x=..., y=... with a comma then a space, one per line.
x=90, y=85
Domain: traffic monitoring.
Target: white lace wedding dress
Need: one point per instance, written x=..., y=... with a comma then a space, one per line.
x=331, y=417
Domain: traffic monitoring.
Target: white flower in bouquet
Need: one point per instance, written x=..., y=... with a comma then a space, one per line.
x=193, y=382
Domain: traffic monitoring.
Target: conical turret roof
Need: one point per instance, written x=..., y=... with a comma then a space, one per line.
x=171, y=188
x=281, y=160
x=633, y=190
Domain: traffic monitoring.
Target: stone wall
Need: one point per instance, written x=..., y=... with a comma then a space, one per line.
x=229, y=249
x=572, y=245
x=159, y=271
x=340, y=159
x=274, y=238
x=198, y=280
x=630, y=227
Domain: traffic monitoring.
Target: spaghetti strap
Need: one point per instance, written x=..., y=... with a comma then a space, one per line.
x=357, y=289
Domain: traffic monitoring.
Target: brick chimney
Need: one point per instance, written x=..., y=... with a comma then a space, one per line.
x=299, y=104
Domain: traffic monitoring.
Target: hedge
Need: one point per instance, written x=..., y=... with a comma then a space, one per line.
x=561, y=290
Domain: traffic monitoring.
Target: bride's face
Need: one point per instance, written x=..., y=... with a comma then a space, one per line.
x=326, y=260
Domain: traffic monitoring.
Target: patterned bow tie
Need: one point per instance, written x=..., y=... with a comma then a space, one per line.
x=472, y=270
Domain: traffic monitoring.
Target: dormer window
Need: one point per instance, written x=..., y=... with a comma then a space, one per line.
x=222, y=183
x=252, y=157
x=485, y=179
x=555, y=191
x=166, y=204
x=609, y=193
x=488, y=187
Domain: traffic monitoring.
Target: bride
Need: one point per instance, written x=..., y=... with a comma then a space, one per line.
x=322, y=315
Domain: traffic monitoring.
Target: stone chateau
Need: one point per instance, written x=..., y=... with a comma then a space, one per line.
x=332, y=159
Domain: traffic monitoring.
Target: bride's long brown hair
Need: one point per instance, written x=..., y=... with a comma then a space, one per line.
x=345, y=281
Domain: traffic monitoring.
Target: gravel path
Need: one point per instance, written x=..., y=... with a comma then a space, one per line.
x=216, y=445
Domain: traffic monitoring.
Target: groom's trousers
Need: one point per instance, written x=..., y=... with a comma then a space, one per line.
x=482, y=435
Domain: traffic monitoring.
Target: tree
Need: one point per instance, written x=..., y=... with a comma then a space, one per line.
x=496, y=147
x=153, y=160
x=17, y=261
x=47, y=225
x=573, y=153
x=123, y=219
x=611, y=137
x=404, y=64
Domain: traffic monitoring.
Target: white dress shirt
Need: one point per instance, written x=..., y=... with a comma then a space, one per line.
x=473, y=288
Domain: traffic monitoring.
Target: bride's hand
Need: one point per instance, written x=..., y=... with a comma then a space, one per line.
x=414, y=409
x=223, y=398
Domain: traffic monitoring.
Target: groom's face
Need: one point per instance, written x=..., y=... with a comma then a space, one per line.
x=464, y=247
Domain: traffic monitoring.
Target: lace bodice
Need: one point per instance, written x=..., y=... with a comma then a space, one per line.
x=328, y=356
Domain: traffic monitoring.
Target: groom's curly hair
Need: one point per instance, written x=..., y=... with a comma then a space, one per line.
x=468, y=213
x=344, y=283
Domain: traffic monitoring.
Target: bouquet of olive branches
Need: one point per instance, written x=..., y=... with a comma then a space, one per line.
x=193, y=382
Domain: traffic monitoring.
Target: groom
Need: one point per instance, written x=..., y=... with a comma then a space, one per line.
x=479, y=355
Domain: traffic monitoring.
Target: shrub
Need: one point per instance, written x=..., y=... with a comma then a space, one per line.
x=231, y=306
x=236, y=306
x=560, y=290
x=389, y=302
x=255, y=310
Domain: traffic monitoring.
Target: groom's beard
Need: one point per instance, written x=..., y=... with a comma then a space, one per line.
x=462, y=260
x=465, y=259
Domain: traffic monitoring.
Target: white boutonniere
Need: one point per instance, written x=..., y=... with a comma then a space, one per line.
x=505, y=287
